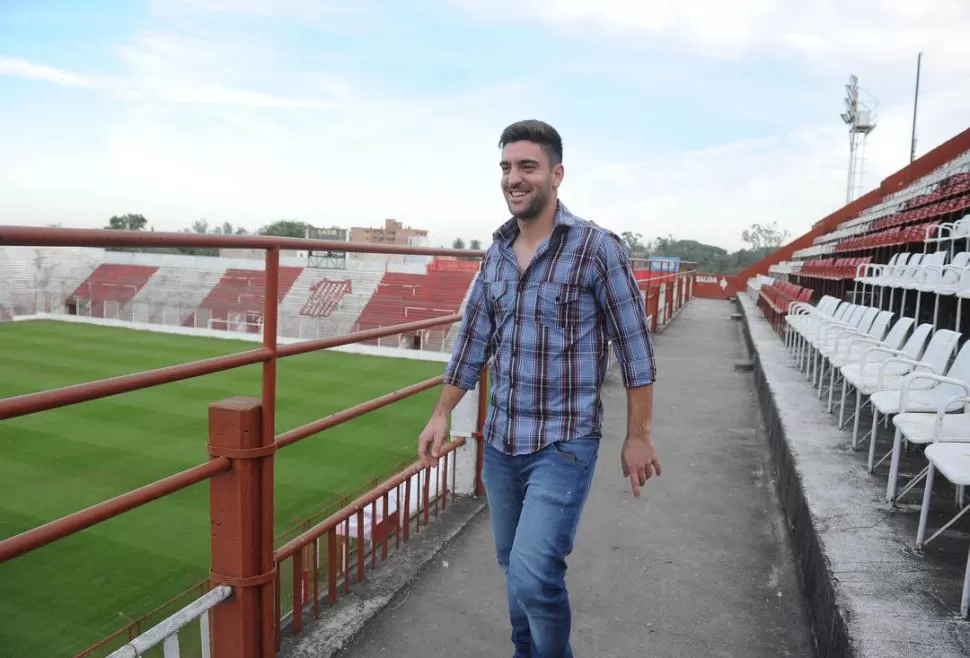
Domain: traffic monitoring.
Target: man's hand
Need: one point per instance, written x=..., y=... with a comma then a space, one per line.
x=430, y=440
x=639, y=459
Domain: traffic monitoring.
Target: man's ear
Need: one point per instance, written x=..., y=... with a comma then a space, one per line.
x=557, y=175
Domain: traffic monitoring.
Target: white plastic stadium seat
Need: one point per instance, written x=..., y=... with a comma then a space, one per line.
x=931, y=395
x=887, y=374
x=952, y=460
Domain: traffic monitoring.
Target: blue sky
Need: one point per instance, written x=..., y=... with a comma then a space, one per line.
x=692, y=119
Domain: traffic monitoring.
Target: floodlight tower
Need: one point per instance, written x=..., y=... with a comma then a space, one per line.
x=861, y=119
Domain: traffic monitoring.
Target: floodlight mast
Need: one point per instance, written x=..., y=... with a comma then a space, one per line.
x=861, y=119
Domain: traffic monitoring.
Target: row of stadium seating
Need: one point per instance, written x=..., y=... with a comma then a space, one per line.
x=882, y=346
x=897, y=369
x=776, y=297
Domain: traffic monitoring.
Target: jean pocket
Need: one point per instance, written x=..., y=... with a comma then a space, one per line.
x=581, y=452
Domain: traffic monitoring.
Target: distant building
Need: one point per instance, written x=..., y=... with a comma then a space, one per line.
x=393, y=233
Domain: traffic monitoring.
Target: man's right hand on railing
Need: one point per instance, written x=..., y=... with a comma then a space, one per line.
x=431, y=438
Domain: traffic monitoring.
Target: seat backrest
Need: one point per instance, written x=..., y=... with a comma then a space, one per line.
x=935, y=258
x=845, y=308
x=961, y=259
x=917, y=341
x=961, y=228
x=900, y=264
x=909, y=271
x=959, y=369
x=937, y=354
x=869, y=315
x=856, y=317
x=880, y=324
x=827, y=304
x=897, y=334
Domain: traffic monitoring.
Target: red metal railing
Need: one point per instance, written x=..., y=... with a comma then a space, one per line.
x=666, y=292
x=134, y=628
x=242, y=446
x=241, y=436
x=666, y=295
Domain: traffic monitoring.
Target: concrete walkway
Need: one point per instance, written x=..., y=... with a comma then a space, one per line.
x=699, y=566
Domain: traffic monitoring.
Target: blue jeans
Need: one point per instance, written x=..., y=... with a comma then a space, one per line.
x=535, y=502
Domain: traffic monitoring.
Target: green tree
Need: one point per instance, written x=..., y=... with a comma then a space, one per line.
x=765, y=238
x=286, y=228
x=129, y=222
x=634, y=243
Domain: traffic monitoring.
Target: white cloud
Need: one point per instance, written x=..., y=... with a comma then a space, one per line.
x=885, y=31
x=340, y=16
x=17, y=67
x=165, y=70
x=181, y=69
x=213, y=125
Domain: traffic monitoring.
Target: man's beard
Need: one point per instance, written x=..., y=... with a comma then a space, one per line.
x=535, y=207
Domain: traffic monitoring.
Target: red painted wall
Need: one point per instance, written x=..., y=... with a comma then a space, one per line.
x=715, y=286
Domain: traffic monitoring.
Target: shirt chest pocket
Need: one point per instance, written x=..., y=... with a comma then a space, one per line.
x=562, y=305
x=501, y=295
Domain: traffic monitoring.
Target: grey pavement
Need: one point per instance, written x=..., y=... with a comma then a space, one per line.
x=699, y=566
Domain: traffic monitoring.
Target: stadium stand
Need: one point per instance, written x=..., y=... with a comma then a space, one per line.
x=236, y=302
x=173, y=293
x=886, y=329
x=776, y=297
x=224, y=294
x=403, y=298
x=33, y=280
x=327, y=302
x=109, y=289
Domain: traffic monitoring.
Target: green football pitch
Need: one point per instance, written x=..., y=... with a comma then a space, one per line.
x=64, y=597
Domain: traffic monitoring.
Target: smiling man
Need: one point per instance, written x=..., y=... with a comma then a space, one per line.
x=553, y=290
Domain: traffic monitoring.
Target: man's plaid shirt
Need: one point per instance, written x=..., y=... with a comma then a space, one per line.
x=547, y=330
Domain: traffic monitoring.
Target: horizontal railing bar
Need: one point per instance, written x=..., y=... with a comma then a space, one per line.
x=367, y=334
x=73, y=523
x=30, y=403
x=33, y=236
x=302, y=432
x=302, y=522
x=137, y=622
x=291, y=547
x=173, y=624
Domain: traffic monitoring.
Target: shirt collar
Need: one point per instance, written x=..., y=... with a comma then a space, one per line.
x=510, y=229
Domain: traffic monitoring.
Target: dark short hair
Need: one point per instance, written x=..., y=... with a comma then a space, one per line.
x=539, y=132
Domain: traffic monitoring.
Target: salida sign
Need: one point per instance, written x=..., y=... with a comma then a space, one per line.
x=713, y=285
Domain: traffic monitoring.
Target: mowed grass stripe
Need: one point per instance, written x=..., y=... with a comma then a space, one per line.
x=57, y=462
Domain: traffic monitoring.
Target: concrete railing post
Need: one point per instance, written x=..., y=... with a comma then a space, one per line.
x=467, y=422
x=236, y=501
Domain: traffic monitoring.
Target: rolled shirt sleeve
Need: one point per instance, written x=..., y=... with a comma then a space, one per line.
x=625, y=314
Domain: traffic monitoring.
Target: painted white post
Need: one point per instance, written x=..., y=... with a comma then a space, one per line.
x=463, y=421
